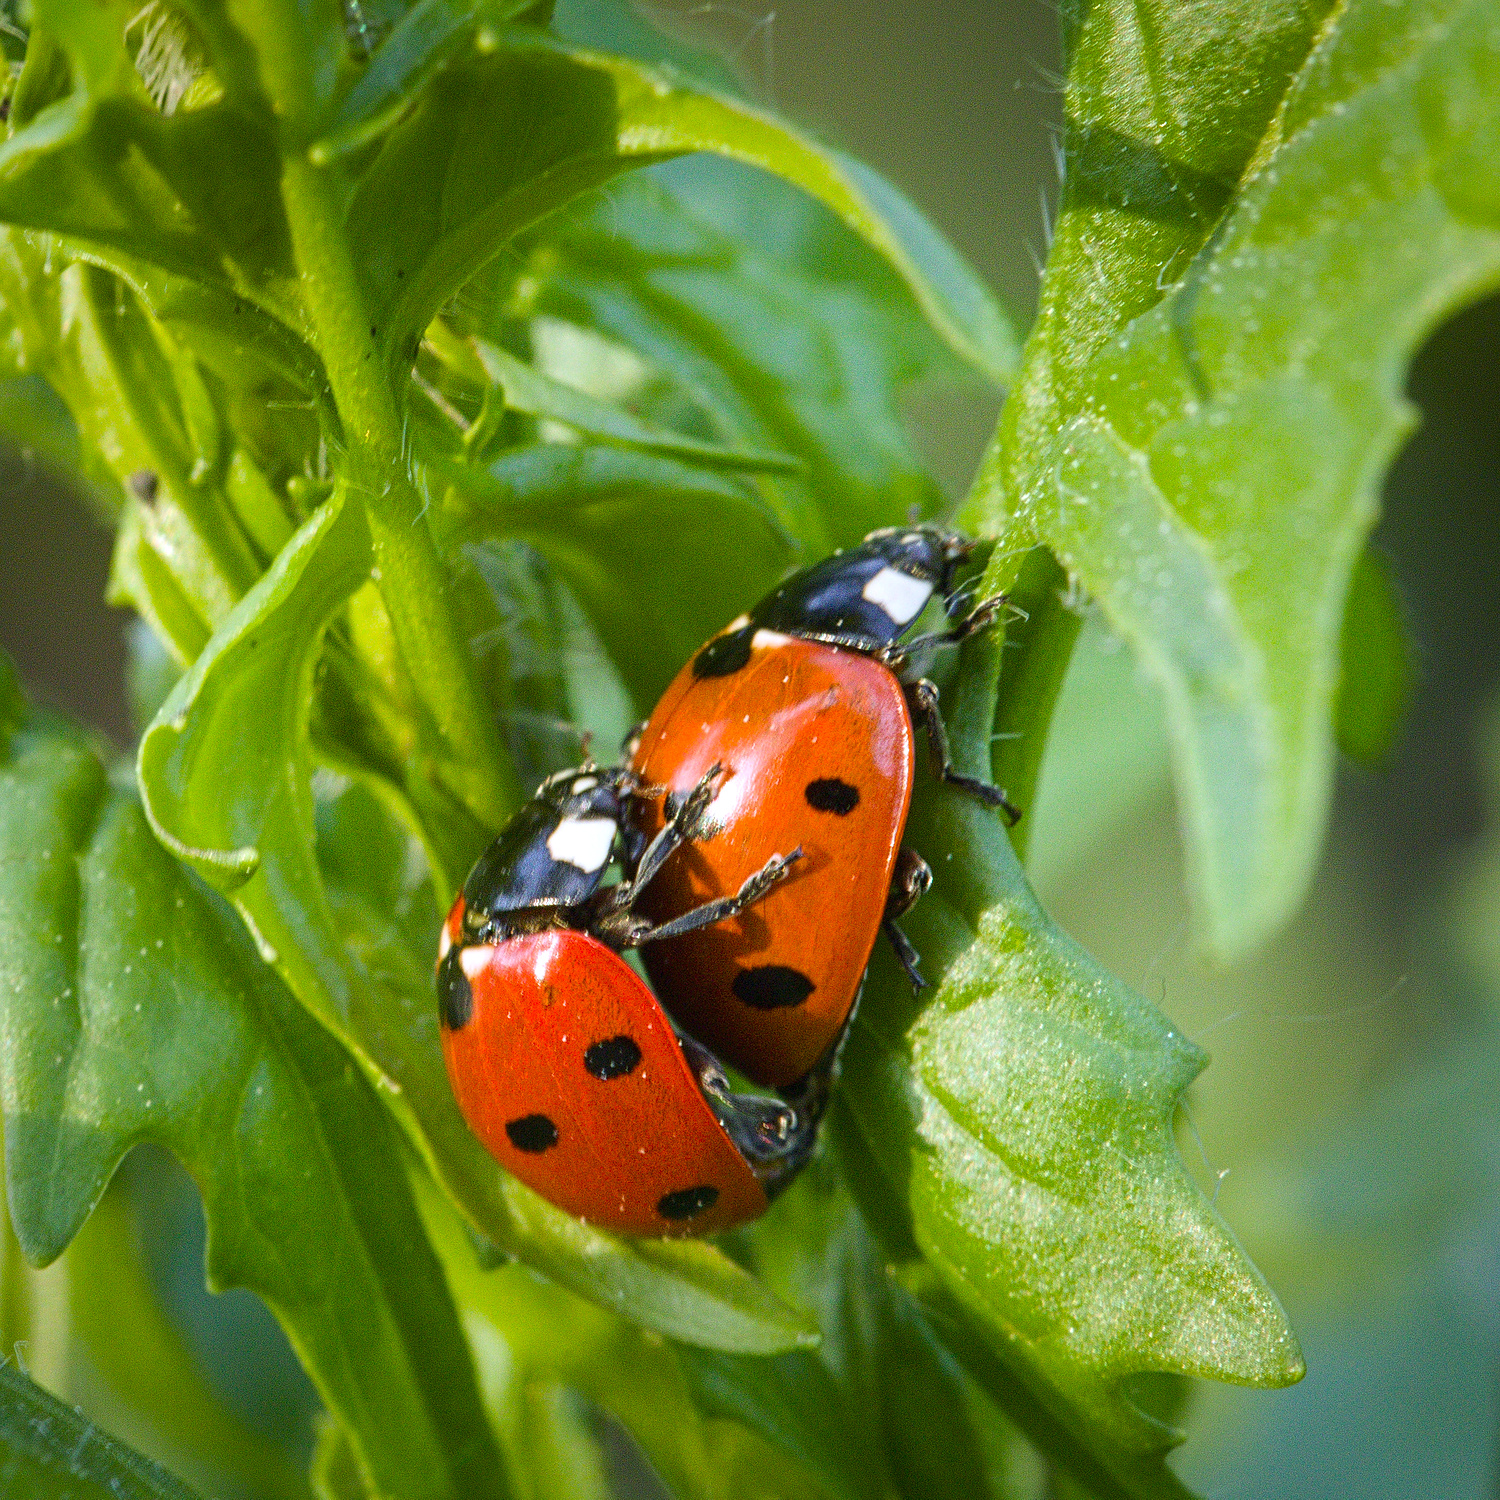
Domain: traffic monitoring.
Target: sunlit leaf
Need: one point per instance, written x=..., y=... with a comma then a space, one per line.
x=1239, y=236
x=766, y=314
x=529, y=391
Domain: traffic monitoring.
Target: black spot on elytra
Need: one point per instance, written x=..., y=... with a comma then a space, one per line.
x=772, y=987
x=725, y=654
x=531, y=1133
x=686, y=1202
x=614, y=1057
x=829, y=794
x=455, y=997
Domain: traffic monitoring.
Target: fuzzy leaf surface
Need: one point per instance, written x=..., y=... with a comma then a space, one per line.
x=1264, y=216
x=48, y=1451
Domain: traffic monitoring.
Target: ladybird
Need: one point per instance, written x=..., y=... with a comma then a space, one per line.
x=561, y=1059
x=814, y=701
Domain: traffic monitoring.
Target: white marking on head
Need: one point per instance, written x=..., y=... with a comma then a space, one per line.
x=474, y=961
x=763, y=640
x=738, y=623
x=585, y=784
x=583, y=843
x=900, y=595
x=444, y=943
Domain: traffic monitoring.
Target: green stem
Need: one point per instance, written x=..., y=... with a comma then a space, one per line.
x=1008, y=685
x=1038, y=650
x=407, y=569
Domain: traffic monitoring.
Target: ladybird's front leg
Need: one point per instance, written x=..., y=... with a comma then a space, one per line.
x=611, y=916
x=684, y=823
x=982, y=617
x=720, y=910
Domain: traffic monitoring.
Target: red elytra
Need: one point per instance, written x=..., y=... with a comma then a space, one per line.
x=570, y=1074
x=817, y=748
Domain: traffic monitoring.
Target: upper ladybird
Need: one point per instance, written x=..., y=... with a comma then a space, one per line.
x=813, y=697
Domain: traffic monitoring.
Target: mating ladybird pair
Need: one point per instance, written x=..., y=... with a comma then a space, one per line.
x=757, y=832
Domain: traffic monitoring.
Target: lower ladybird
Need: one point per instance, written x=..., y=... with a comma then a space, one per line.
x=562, y=1060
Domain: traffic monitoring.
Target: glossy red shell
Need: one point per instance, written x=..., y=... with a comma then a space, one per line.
x=611, y=1150
x=800, y=729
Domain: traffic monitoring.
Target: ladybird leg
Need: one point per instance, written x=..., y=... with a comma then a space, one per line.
x=723, y=908
x=684, y=823
x=981, y=617
x=906, y=955
x=632, y=741
x=911, y=881
x=922, y=695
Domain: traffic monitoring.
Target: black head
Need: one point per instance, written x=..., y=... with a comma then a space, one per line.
x=932, y=553
x=555, y=851
x=872, y=593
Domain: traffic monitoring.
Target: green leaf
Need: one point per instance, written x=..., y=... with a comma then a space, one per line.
x=794, y=1403
x=616, y=26
x=1024, y=1115
x=133, y=1009
x=661, y=111
x=1214, y=385
x=767, y=315
x=36, y=420
x=1377, y=666
x=146, y=428
x=431, y=34
x=48, y=1451
x=850, y=1413
x=527, y=390
x=102, y=166
x=335, y=1467
x=605, y=114
x=206, y=214
x=599, y=516
x=529, y=1332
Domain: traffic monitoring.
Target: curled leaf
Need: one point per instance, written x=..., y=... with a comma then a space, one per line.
x=1023, y=1115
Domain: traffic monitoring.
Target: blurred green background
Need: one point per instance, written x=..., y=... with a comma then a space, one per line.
x=1350, y=1120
